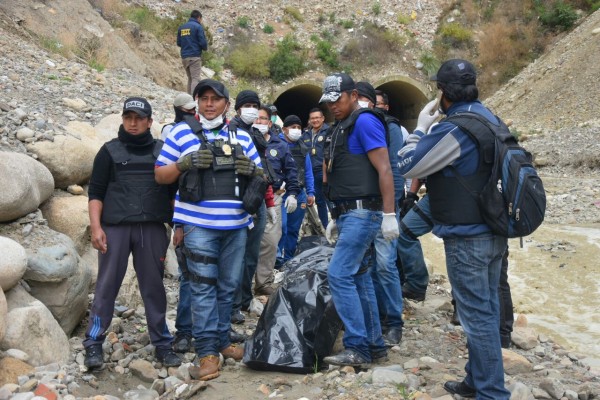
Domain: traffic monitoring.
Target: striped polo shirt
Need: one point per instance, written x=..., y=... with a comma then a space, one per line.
x=212, y=214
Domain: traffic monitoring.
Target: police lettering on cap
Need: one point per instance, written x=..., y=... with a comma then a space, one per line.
x=367, y=90
x=184, y=101
x=456, y=71
x=216, y=86
x=138, y=105
x=334, y=85
x=246, y=97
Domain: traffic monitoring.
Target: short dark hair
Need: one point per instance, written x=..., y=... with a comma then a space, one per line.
x=315, y=109
x=384, y=96
x=455, y=92
x=196, y=14
x=267, y=109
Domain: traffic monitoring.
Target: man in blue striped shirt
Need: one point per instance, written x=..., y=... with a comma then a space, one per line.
x=215, y=227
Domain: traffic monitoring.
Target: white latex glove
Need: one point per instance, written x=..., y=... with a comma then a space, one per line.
x=331, y=233
x=389, y=226
x=272, y=215
x=291, y=204
x=427, y=116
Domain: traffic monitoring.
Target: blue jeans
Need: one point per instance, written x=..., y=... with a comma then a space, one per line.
x=211, y=301
x=290, y=226
x=350, y=282
x=386, y=281
x=243, y=295
x=473, y=265
x=416, y=223
x=320, y=200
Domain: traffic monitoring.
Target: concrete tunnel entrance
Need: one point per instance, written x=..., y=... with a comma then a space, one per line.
x=406, y=98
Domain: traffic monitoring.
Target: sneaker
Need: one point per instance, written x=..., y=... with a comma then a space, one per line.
x=238, y=317
x=235, y=337
x=93, y=356
x=347, y=357
x=460, y=388
x=233, y=351
x=182, y=343
x=167, y=357
x=208, y=368
x=412, y=294
x=393, y=337
x=379, y=357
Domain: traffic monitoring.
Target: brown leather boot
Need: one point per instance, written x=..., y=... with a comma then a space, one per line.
x=233, y=351
x=208, y=368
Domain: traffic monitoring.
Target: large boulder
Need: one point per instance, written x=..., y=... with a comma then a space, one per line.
x=69, y=215
x=34, y=330
x=13, y=263
x=25, y=184
x=3, y=312
x=70, y=159
x=56, y=274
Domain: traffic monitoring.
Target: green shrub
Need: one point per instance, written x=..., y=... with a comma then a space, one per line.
x=346, y=23
x=54, y=45
x=375, y=46
x=455, y=35
x=430, y=63
x=560, y=16
x=321, y=20
x=92, y=51
x=332, y=17
x=376, y=8
x=148, y=21
x=287, y=61
x=403, y=19
x=250, y=62
x=268, y=29
x=212, y=61
x=327, y=54
x=294, y=13
x=243, y=22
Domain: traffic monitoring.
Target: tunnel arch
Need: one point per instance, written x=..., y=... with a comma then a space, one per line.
x=406, y=97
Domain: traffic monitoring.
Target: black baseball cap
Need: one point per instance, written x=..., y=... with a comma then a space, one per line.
x=334, y=85
x=138, y=105
x=367, y=90
x=456, y=71
x=216, y=86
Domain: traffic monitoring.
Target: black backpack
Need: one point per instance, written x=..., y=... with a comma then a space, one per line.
x=513, y=201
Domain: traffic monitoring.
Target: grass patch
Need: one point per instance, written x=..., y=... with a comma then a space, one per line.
x=148, y=21
x=268, y=29
x=93, y=52
x=376, y=8
x=403, y=19
x=294, y=13
x=454, y=34
x=251, y=62
x=430, y=63
x=559, y=15
x=288, y=60
x=213, y=61
x=346, y=23
x=328, y=54
x=375, y=47
x=243, y=22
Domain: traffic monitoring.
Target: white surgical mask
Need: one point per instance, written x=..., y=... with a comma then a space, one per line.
x=249, y=115
x=261, y=128
x=211, y=124
x=363, y=104
x=294, y=134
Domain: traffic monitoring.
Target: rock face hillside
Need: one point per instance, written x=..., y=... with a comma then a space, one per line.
x=561, y=88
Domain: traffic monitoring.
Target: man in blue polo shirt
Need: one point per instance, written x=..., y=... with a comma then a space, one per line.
x=191, y=39
x=215, y=226
x=360, y=186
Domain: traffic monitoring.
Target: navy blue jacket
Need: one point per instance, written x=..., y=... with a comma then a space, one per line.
x=191, y=39
x=317, y=143
x=282, y=165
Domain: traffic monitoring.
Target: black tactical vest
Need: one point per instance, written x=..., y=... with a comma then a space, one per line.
x=134, y=195
x=299, y=153
x=350, y=176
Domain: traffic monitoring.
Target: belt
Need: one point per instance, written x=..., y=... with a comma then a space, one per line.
x=342, y=207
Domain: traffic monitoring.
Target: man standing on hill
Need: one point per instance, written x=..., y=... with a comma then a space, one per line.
x=191, y=39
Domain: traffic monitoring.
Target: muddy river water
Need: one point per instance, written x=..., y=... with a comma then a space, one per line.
x=555, y=282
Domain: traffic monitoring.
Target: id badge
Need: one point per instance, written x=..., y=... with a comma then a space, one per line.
x=313, y=151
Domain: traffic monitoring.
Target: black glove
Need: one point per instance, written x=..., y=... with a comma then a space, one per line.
x=408, y=203
x=245, y=166
x=200, y=159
